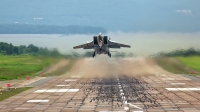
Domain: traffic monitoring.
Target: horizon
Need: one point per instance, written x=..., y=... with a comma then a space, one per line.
x=142, y=44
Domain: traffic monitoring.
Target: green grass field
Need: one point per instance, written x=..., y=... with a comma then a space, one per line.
x=17, y=67
x=180, y=65
x=11, y=92
x=191, y=62
x=169, y=64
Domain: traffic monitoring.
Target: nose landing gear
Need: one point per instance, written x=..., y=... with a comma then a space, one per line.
x=109, y=54
x=93, y=55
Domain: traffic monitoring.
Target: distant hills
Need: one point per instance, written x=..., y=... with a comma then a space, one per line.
x=48, y=29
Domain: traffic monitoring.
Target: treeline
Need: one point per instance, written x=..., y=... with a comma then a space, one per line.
x=9, y=49
x=48, y=29
x=181, y=52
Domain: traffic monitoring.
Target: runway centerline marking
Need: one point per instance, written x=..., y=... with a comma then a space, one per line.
x=134, y=106
x=125, y=101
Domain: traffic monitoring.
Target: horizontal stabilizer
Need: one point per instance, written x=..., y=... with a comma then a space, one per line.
x=114, y=46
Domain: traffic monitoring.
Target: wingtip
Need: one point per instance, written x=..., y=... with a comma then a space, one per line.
x=128, y=46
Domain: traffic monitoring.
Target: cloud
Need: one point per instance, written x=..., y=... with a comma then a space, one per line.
x=184, y=11
x=39, y=18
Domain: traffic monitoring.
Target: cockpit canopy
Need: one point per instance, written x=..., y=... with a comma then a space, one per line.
x=100, y=34
x=100, y=38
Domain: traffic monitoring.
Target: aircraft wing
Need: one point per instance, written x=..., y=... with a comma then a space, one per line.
x=89, y=45
x=117, y=45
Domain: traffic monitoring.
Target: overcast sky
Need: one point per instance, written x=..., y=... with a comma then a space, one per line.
x=113, y=15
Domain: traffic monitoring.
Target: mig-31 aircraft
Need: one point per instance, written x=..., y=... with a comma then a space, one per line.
x=101, y=45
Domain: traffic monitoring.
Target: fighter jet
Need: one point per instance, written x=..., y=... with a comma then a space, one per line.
x=101, y=45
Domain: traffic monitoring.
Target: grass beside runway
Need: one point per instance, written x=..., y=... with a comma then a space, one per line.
x=180, y=65
x=11, y=92
x=192, y=62
x=171, y=64
x=18, y=67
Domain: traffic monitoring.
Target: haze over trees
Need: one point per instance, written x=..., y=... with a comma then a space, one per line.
x=180, y=52
x=9, y=49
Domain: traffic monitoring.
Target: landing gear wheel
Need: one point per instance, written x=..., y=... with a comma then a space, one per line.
x=93, y=55
x=109, y=54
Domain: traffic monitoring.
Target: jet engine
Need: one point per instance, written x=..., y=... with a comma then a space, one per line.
x=105, y=39
x=95, y=40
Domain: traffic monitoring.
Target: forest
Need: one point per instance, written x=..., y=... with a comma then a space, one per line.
x=10, y=49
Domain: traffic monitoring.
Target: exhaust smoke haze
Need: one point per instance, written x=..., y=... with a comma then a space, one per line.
x=103, y=66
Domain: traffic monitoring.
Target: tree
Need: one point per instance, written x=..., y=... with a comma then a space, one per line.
x=9, y=49
x=43, y=51
x=15, y=50
x=3, y=46
x=22, y=49
x=55, y=53
x=33, y=48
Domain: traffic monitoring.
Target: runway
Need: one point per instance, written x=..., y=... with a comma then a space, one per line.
x=159, y=92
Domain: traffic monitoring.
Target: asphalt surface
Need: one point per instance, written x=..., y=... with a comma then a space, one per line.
x=42, y=81
x=120, y=93
x=192, y=77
